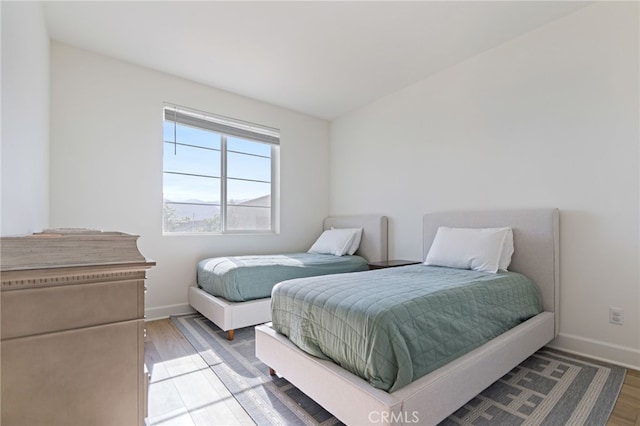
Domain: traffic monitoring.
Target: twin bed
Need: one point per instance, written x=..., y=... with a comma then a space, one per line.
x=376, y=346
x=234, y=292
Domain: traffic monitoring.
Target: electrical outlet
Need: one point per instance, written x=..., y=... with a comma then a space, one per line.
x=616, y=315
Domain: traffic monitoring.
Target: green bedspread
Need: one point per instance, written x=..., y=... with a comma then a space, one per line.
x=243, y=278
x=393, y=326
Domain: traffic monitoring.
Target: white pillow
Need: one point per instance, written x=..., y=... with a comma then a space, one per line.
x=334, y=241
x=507, y=251
x=355, y=244
x=480, y=249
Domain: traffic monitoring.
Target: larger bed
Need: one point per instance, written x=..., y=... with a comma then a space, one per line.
x=246, y=301
x=413, y=396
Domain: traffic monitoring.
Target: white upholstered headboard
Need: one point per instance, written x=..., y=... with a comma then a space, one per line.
x=536, y=239
x=373, y=245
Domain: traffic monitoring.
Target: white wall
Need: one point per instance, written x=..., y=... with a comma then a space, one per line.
x=25, y=119
x=106, y=165
x=549, y=119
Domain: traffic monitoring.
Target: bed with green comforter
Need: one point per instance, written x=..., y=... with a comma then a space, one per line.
x=243, y=278
x=393, y=326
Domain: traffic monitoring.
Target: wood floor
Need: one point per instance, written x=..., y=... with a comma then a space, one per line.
x=184, y=391
x=627, y=409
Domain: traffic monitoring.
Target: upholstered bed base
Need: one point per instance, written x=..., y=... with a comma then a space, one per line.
x=426, y=401
x=230, y=316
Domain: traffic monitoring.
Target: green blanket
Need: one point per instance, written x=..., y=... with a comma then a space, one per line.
x=393, y=326
x=243, y=278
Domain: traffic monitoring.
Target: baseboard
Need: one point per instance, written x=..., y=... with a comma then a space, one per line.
x=598, y=350
x=167, y=311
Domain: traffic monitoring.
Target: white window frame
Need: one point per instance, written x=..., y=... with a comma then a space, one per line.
x=228, y=127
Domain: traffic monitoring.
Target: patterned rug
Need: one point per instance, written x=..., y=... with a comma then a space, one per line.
x=546, y=389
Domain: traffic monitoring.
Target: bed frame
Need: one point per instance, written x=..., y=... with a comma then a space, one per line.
x=435, y=396
x=230, y=316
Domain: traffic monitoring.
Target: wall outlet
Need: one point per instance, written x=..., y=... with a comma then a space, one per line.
x=616, y=315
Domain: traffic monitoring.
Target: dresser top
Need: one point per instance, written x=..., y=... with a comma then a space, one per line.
x=68, y=247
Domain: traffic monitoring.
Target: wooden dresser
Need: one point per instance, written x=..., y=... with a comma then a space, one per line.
x=72, y=329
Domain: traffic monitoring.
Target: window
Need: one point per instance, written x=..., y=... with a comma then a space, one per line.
x=219, y=174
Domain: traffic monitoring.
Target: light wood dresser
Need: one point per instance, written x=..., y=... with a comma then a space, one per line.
x=72, y=329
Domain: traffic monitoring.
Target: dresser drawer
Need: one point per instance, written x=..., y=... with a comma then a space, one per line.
x=90, y=376
x=41, y=310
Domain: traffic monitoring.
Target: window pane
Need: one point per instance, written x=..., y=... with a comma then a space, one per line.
x=191, y=135
x=249, y=147
x=196, y=168
x=194, y=189
x=241, y=192
x=191, y=218
x=244, y=218
x=186, y=159
x=243, y=166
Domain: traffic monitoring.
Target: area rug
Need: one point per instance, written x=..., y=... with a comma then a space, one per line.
x=548, y=388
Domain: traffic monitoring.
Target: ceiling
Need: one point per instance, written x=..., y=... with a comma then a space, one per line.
x=319, y=58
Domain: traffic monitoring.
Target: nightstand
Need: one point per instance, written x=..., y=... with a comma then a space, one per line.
x=391, y=264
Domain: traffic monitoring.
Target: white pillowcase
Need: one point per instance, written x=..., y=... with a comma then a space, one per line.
x=355, y=244
x=333, y=241
x=480, y=249
x=507, y=251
